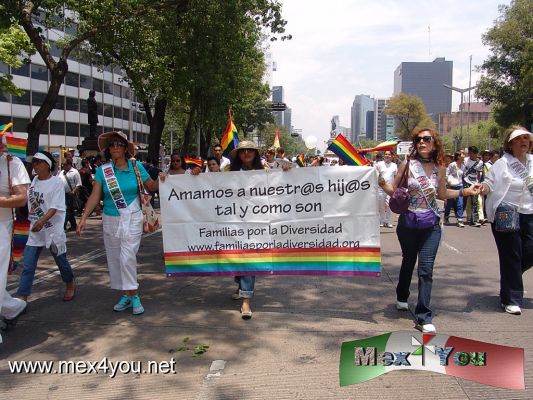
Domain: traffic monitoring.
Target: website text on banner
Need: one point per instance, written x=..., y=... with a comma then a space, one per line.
x=306, y=221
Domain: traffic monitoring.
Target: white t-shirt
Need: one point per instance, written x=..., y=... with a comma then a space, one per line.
x=387, y=171
x=42, y=196
x=73, y=177
x=474, y=167
x=224, y=162
x=19, y=176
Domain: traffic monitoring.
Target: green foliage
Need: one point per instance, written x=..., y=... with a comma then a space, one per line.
x=293, y=145
x=197, y=350
x=410, y=113
x=508, y=71
x=484, y=135
x=15, y=49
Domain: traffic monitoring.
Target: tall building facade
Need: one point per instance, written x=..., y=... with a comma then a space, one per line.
x=283, y=118
x=361, y=126
x=67, y=125
x=425, y=80
x=383, y=123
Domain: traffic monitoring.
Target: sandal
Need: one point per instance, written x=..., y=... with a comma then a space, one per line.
x=70, y=292
x=246, y=314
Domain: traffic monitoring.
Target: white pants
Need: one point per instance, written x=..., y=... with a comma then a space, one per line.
x=9, y=307
x=122, y=241
x=385, y=214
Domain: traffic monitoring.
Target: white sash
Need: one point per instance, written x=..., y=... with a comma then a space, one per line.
x=517, y=168
x=427, y=188
x=113, y=187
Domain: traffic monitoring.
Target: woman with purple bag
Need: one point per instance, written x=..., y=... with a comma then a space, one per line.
x=419, y=229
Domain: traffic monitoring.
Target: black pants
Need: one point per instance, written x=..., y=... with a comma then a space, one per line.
x=70, y=217
x=515, y=251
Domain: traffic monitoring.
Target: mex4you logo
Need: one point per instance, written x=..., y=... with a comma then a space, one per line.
x=490, y=364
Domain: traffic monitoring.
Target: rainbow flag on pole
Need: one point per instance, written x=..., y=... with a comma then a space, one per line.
x=21, y=232
x=16, y=146
x=229, y=140
x=300, y=160
x=276, y=140
x=192, y=162
x=344, y=150
x=5, y=127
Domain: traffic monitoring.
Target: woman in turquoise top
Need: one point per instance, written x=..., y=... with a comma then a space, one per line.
x=116, y=183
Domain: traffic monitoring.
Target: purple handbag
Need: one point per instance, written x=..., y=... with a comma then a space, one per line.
x=399, y=201
x=420, y=220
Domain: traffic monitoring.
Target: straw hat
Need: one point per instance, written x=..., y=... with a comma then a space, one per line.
x=104, y=138
x=245, y=144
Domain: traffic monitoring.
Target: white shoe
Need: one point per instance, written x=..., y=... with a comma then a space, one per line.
x=512, y=309
x=426, y=328
x=381, y=225
x=389, y=225
x=402, y=305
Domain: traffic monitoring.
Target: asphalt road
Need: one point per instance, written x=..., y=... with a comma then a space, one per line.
x=289, y=349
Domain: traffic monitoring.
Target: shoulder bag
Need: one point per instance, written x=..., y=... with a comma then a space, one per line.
x=399, y=201
x=425, y=219
x=150, y=218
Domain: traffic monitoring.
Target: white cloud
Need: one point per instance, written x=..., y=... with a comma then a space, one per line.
x=343, y=48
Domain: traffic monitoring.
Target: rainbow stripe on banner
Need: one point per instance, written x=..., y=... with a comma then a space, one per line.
x=16, y=147
x=21, y=232
x=192, y=162
x=300, y=160
x=316, y=261
x=344, y=150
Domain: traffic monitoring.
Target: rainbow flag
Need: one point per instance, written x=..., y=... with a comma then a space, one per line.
x=300, y=160
x=5, y=127
x=192, y=162
x=276, y=140
x=482, y=362
x=16, y=147
x=229, y=140
x=344, y=149
x=21, y=231
x=279, y=261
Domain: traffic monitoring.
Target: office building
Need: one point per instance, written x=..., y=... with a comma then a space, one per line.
x=425, y=80
x=479, y=112
x=361, y=125
x=383, y=123
x=283, y=118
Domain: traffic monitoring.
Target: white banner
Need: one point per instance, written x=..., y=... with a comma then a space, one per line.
x=312, y=221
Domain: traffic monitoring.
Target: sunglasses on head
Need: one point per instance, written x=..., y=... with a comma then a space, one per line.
x=427, y=139
x=117, y=143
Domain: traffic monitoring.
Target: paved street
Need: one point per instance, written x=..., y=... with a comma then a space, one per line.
x=289, y=350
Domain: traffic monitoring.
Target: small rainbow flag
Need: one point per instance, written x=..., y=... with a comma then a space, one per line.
x=344, y=149
x=291, y=261
x=16, y=147
x=5, y=127
x=229, y=140
x=276, y=140
x=21, y=231
x=300, y=160
x=192, y=162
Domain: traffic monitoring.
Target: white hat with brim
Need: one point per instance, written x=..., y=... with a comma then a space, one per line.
x=103, y=141
x=245, y=144
x=40, y=156
x=520, y=132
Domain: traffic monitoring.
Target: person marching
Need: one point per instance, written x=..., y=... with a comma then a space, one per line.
x=419, y=229
x=454, y=181
x=388, y=170
x=46, y=206
x=122, y=221
x=509, y=189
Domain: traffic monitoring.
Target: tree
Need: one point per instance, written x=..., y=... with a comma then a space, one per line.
x=484, y=135
x=508, y=79
x=15, y=49
x=410, y=113
x=293, y=145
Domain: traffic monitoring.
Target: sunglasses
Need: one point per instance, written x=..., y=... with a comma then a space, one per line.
x=117, y=143
x=247, y=150
x=176, y=160
x=427, y=139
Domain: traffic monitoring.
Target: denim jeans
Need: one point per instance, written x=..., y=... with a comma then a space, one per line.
x=31, y=255
x=70, y=217
x=422, y=244
x=246, y=286
x=455, y=204
x=515, y=251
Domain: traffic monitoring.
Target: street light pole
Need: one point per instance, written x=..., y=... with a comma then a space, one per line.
x=462, y=91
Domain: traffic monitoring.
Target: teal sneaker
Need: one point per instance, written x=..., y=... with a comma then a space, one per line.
x=123, y=304
x=136, y=304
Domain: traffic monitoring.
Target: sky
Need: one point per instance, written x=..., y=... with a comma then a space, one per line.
x=343, y=48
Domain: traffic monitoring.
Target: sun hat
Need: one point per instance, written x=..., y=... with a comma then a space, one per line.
x=245, y=144
x=41, y=156
x=520, y=132
x=104, y=138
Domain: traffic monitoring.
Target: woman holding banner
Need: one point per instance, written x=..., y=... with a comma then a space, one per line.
x=122, y=221
x=177, y=165
x=419, y=229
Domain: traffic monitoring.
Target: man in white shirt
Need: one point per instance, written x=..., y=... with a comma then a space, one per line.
x=72, y=182
x=472, y=171
x=11, y=196
x=217, y=152
x=388, y=170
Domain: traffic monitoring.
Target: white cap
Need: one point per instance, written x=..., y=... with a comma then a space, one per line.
x=41, y=156
x=519, y=132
